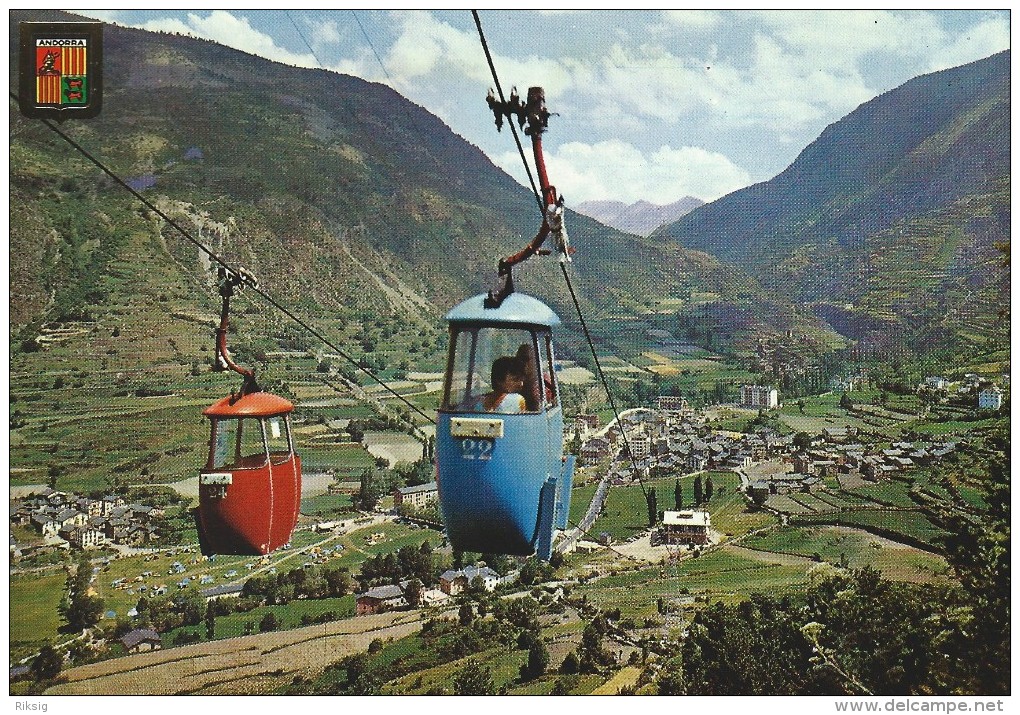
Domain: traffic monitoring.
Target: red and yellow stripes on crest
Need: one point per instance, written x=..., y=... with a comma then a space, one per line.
x=72, y=61
x=47, y=89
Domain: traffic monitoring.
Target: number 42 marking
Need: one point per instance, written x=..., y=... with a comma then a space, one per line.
x=480, y=449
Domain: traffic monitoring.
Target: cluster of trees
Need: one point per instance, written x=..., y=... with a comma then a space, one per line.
x=534, y=570
x=379, y=423
x=408, y=562
x=378, y=481
x=165, y=613
x=854, y=634
x=430, y=512
x=371, y=489
x=310, y=582
x=591, y=655
x=481, y=624
x=48, y=664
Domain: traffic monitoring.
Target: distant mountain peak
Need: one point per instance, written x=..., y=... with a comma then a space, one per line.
x=641, y=217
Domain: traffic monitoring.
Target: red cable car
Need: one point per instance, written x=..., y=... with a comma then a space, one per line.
x=250, y=488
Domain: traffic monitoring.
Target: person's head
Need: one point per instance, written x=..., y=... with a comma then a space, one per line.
x=507, y=375
x=526, y=357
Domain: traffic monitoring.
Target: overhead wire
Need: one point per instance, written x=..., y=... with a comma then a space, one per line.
x=372, y=47
x=222, y=263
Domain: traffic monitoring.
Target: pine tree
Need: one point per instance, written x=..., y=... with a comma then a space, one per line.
x=538, y=661
x=653, y=507
x=210, y=621
x=83, y=609
x=678, y=496
x=698, y=492
x=708, y=488
x=368, y=494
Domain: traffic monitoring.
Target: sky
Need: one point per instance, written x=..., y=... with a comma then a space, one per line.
x=652, y=105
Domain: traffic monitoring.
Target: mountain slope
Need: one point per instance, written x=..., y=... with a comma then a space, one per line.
x=336, y=192
x=931, y=141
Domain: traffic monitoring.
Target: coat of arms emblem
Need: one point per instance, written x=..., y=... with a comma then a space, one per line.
x=61, y=69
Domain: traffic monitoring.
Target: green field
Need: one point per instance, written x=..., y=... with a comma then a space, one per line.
x=327, y=505
x=34, y=618
x=350, y=412
x=718, y=575
x=580, y=498
x=892, y=493
x=908, y=526
x=505, y=667
x=626, y=511
x=821, y=411
x=731, y=516
x=289, y=616
x=357, y=548
x=940, y=429
x=346, y=459
x=853, y=548
x=37, y=595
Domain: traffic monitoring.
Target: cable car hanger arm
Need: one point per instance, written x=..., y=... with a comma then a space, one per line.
x=229, y=280
x=535, y=115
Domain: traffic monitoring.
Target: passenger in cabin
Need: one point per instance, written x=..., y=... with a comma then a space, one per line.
x=525, y=357
x=507, y=383
x=532, y=387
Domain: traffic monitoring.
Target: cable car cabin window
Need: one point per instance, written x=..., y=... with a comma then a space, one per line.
x=238, y=444
x=511, y=357
x=552, y=397
x=278, y=438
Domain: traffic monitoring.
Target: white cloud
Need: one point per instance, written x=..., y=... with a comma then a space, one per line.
x=754, y=85
x=842, y=37
x=325, y=33
x=169, y=24
x=693, y=19
x=984, y=39
x=111, y=16
x=617, y=170
x=426, y=45
x=223, y=27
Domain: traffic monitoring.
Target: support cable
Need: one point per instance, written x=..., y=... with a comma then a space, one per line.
x=222, y=263
x=602, y=376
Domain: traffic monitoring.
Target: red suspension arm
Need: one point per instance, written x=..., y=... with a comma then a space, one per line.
x=537, y=117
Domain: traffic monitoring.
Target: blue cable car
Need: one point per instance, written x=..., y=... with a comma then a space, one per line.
x=504, y=484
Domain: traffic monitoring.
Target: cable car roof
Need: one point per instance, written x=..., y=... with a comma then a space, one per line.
x=256, y=404
x=516, y=308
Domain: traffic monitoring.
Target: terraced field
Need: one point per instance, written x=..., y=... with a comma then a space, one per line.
x=252, y=665
x=854, y=548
